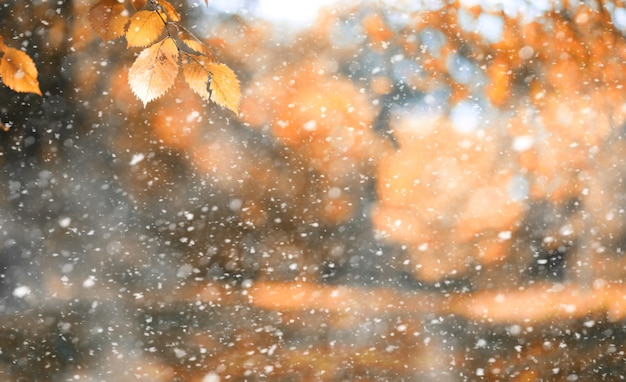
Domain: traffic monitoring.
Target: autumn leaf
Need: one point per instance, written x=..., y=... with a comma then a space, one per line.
x=191, y=41
x=108, y=19
x=169, y=10
x=18, y=70
x=144, y=28
x=195, y=45
x=224, y=86
x=197, y=75
x=154, y=71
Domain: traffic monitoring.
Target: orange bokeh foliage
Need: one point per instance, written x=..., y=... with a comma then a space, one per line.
x=256, y=114
x=442, y=194
x=245, y=42
x=377, y=30
x=176, y=126
x=223, y=161
x=121, y=95
x=570, y=120
x=571, y=87
x=327, y=121
x=500, y=74
x=533, y=304
x=381, y=85
x=316, y=103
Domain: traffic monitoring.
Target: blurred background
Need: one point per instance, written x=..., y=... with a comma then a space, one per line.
x=412, y=190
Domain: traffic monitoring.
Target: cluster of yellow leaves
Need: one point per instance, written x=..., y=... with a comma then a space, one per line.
x=155, y=70
x=18, y=70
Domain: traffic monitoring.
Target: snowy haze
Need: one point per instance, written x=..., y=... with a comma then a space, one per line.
x=402, y=195
x=294, y=14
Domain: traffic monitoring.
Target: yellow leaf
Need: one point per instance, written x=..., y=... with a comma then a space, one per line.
x=191, y=42
x=224, y=86
x=154, y=71
x=108, y=19
x=18, y=71
x=144, y=28
x=194, y=44
x=197, y=75
x=169, y=10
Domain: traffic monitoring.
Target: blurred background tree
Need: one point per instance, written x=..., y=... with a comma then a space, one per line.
x=411, y=191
